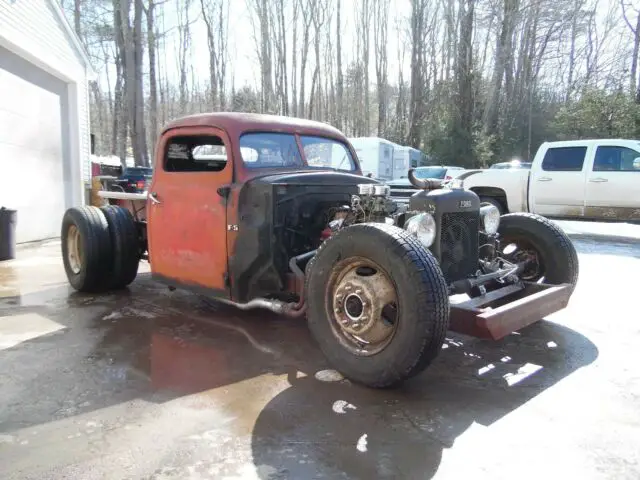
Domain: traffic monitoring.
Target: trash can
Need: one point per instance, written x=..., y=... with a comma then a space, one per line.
x=8, y=219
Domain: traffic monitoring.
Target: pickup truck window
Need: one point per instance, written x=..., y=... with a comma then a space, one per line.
x=430, y=172
x=564, y=159
x=326, y=153
x=195, y=154
x=269, y=150
x=616, y=159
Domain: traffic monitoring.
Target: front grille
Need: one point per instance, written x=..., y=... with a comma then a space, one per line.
x=459, y=245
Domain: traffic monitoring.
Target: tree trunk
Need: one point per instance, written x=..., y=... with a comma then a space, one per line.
x=153, y=81
x=340, y=79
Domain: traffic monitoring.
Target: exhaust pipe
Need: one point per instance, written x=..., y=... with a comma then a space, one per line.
x=292, y=310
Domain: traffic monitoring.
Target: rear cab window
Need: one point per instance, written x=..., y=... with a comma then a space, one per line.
x=616, y=159
x=196, y=153
x=564, y=159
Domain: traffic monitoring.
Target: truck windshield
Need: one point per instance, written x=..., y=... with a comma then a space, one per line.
x=430, y=172
x=326, y=153
x=273, y=150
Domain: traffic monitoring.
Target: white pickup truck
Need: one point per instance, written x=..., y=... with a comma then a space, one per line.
x=580, y=179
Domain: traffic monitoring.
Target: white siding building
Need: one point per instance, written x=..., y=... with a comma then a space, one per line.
x=44, y=116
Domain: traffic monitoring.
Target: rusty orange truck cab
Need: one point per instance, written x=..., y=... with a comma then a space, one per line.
x=216, y=175
x=272, y=212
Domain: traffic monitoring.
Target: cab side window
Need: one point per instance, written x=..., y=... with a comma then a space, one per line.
x=564, y=159
x=616, y=159
x=195, y=154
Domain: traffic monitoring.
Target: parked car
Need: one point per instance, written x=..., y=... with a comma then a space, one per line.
x=402, y=189
x=588, y=179
x=270, y=220
x=133, y=180
x=511, y=164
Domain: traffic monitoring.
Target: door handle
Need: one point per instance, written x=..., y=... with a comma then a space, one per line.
x=544, y=179
x=598, y=180
x=154, y=198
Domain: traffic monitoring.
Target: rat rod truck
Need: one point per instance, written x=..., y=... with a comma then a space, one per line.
x=271, y=212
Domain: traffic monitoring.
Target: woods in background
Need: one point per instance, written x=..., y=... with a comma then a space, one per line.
x=469, y=82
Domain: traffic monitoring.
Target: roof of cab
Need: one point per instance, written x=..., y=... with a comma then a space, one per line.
x=236, y=123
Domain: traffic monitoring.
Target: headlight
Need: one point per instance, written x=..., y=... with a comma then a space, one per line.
x=490, y=218
x=423, y=226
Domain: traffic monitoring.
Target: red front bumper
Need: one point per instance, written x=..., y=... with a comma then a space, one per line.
x=501, y=312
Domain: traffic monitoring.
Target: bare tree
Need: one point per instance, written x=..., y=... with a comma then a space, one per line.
x=633, y=73
x=153, y=81
x=339, y=79
x=381, y=20
x=263, y=47
x=307, y=8
x=215, y=16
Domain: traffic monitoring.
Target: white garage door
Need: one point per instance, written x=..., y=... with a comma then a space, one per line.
x=31, y=148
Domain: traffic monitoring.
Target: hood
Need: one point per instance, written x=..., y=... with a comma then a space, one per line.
x=306, y=177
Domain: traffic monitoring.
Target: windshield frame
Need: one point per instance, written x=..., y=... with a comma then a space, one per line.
x=354, y=165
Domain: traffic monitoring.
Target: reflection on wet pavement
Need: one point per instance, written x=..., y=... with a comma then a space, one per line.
x=149, y=383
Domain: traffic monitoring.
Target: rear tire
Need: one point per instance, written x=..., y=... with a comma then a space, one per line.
x=413, y=279
x=557, y=257
x=125, y=243
x=86, y=249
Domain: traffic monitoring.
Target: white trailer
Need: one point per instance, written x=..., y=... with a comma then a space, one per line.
x=405, y=158
x=375, y=155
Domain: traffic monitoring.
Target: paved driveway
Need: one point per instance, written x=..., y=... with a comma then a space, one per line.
x=156, y=384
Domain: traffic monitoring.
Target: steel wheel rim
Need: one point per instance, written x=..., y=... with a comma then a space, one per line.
x=74, y=249
x=362, y=303
x=535, y=270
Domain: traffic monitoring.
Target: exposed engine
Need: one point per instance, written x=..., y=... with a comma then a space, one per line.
x=372, y=204
x=448, y=220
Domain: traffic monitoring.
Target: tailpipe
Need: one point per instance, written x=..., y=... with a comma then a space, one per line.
x=293, y=310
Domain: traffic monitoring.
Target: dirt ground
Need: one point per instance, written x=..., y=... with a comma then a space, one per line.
x=154, y=384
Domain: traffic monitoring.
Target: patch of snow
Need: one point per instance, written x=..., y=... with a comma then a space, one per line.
x=329, y=376
x=112, y=316
x=362, y=443
x=340, y=406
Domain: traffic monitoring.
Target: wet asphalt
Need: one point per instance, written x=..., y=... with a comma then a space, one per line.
x=152, y=384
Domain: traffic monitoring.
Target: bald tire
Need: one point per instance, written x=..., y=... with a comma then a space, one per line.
x=423, y=303
x=125, y=244
x=96, y=249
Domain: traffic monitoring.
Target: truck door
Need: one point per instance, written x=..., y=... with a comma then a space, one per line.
x=557, y=184
x=613, y=185
x=187, y=217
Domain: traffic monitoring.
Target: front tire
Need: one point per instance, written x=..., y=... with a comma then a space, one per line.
x=86, y=249
x=551, y=254
x=378, y=304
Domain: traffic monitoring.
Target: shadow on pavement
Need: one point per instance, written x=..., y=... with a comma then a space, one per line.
x=339, y=430
x=149, y=344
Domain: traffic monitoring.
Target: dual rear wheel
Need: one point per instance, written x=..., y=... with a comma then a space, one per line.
x=100, y=248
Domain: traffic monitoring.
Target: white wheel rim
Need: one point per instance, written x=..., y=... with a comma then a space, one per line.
x=74, y=249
